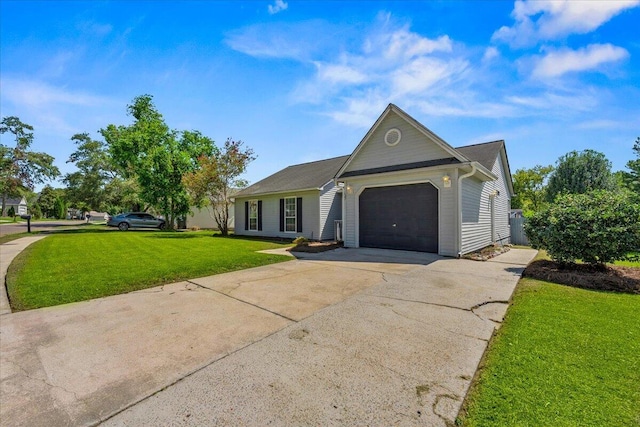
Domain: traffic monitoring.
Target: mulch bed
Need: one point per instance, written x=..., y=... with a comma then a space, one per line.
x=316, y=247
x=611, y=278
x=487, y=253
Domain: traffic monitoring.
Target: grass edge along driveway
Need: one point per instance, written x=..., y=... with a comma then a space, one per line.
x=563, y=357
x=78, y=266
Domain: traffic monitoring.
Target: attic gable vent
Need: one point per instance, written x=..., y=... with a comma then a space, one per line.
x=392, y=137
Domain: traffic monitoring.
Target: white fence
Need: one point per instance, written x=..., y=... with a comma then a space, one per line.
x=517, y=231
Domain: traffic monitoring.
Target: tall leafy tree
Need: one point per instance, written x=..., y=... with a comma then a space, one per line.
x=631, y=179
x=86, y=186
x=157, y=157
x=97, y=184
x=47, y=201
x=217, y=177
x=530, y=188
x=20, y=168
x=579, y=173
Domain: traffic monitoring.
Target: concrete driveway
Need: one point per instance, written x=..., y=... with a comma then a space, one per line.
x=352, y=336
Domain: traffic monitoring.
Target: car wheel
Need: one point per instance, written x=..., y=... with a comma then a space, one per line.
x=123, y=226
x=163, y=226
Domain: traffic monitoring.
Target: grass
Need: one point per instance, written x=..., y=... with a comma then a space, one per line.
x=635, y=263
x=563, y=357
x=84, y=264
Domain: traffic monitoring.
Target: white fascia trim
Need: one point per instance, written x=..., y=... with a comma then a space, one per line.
x=248, y=196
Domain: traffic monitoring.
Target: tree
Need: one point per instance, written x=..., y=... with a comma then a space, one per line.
x=21, y=168
x=87, y=185
x=217, y=177
x=60, y=208
x=579, y=173
x=97, y=184
x=631, y=179
x=530, y=188
x=47, y=201
x=596, y=227
x=157, y=157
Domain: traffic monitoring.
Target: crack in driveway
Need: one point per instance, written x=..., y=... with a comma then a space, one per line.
x=244, y=302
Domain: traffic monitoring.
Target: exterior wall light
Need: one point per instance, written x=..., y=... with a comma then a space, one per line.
x=349, y=189
x=446, y=180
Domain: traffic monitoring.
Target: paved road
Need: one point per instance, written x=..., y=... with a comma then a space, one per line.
x=14, y=228
x=348, y=337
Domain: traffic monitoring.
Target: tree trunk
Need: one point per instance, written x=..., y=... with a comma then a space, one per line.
x=4, y=204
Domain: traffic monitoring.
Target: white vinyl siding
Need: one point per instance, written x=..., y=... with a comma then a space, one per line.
x=413, y=147
x=476, y=214
x=502, y=204
x=476, y=210
x=271, y=215
x=330, y=210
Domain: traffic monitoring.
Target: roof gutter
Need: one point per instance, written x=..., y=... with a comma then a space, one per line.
x=459, y=226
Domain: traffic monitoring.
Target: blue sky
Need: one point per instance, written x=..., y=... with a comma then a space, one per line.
x=303, y=81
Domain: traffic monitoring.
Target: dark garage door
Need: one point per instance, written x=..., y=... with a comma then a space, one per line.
x=400, y=217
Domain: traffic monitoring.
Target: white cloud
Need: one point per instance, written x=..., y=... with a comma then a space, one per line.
x=590, y=58
x=298, y=40
x=278, y=6
x=53, y=108
x=354, y=77
x=35, y=93
x=339, y=73
x=420, y=74
x=490, y=53
x=552, y=19
x=557, y=102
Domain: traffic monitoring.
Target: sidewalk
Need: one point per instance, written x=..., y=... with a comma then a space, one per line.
x=8, y=251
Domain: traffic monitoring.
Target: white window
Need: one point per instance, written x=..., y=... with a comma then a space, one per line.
x=290, y=214
x=253, y=215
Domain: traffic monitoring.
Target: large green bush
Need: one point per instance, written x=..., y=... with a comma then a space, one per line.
x=597, y=227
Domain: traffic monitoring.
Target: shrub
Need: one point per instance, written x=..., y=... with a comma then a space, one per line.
x=301, y=241
x=597, y=227
x=11, y=212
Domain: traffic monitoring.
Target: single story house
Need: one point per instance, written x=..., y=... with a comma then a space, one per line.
x=403, y=187
x=19, y=205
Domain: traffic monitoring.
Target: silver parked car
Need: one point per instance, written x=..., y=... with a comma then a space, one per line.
x=124, y=221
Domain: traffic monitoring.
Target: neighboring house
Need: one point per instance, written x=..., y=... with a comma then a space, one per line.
x=19, y=205
x=202, y=218
x=403, y=187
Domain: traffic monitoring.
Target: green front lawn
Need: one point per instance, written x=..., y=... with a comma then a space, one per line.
x=630, y=263
x=563, y=357
x=84, y=264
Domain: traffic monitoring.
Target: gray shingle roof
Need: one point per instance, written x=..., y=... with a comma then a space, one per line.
x=315, y=174
x=12, y=201
x=485, y=153
x=297, y=177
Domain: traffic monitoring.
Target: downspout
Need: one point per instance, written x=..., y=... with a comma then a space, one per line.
x=459, y=226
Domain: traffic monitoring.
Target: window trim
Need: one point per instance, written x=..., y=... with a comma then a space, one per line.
x=294, y=217
x=255, y=228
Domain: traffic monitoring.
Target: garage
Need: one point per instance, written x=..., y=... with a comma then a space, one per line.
x=399, y=217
